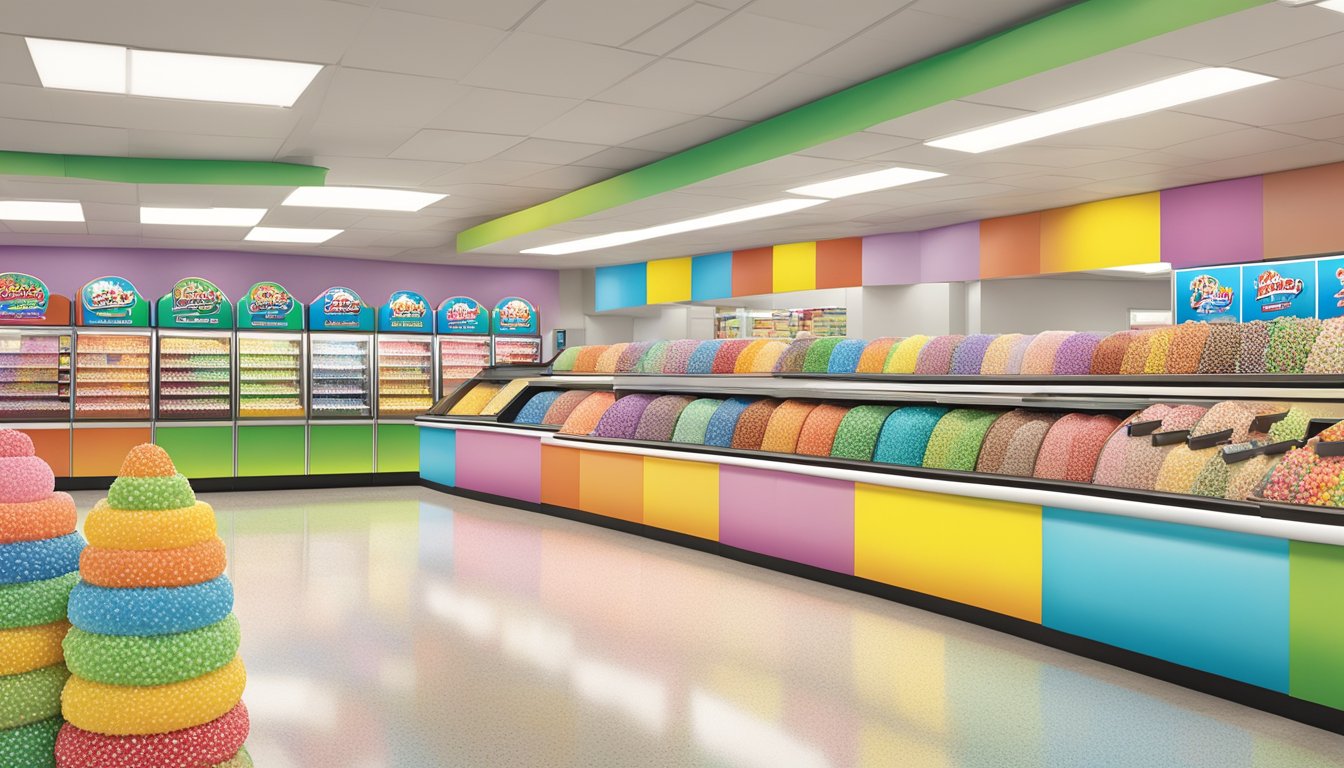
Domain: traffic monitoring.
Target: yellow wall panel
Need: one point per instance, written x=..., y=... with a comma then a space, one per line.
x=682, y=496
x=974, y=551
x=668, y=280
x=1107, y=233
x=795, y=267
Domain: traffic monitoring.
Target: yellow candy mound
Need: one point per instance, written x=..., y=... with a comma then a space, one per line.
x=122, y=710
x=160, y=529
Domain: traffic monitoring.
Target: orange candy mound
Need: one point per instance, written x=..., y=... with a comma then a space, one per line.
x=15, y=443
x=49, y=518
x=147, y=460
x=180, y=567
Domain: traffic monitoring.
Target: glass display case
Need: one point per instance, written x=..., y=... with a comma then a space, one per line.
x=270, y=375
x=340, y=386
x=460, y=358
x=195, y=375
x=517, y=350
x=112, y=374
x=405, y=375
x=34, y=375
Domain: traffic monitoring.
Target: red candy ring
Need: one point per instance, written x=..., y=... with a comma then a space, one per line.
x=214, y=742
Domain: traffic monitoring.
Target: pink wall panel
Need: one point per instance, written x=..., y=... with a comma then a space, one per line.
x=794, y=517
x=504, y=465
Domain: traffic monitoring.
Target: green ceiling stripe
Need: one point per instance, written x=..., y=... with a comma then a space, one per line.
x=1090, y=28
x=142, y=170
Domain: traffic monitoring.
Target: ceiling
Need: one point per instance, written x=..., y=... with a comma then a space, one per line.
x=508, y=103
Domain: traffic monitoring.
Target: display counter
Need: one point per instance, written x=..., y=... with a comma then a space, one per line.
x=1168, y=565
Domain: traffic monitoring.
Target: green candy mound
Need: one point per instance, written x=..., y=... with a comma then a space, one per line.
x=31, y=697
x=240, y=760
x=33, y=603
x=153, y=660
x=151, y=493
x=32, y=746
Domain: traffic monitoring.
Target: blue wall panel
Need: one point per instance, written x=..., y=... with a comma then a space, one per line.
x=1207, y=599
x=623, y=286
x=438, y=456
x=712, y=276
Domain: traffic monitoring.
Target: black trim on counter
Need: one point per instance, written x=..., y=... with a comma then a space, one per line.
x=267, y=483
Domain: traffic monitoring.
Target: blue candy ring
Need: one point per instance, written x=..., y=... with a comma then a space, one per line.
x=25, y=561
x=150, y=610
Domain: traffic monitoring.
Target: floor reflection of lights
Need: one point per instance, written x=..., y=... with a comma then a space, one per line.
x=403, y=628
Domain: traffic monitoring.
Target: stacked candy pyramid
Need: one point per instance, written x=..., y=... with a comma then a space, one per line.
x=39, y=553
x=156, y=681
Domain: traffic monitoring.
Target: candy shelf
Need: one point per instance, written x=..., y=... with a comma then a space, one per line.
x=34, y=375
x=517, y=350
x=460, y=358
x=195, y=375
x=340, y=384
x=112, y=375
x=405, y=376
x=270, y=374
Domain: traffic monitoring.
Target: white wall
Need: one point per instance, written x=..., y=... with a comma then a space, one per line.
x=1032, y=305
x=905, y=310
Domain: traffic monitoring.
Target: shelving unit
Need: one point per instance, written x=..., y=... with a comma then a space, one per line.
x=270, y=376
x=195, y=376
x=34, y=375
x=460, y=358
x=112, y=375
x=340, y=380
x=405, y=376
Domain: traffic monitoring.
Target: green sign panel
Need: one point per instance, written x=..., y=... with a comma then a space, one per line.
x=196, y=303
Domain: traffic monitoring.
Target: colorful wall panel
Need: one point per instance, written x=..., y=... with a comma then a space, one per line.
x=804, y=519
x=503, y=465
x=1236, y=221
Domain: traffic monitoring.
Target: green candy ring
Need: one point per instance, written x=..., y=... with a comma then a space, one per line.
x=33, y=603
x=240, y=760
x=32, y=746
x=31, y=697
x=151, y=493
x=153, y=660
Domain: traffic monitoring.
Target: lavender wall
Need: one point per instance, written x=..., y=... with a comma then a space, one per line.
x=66, y=270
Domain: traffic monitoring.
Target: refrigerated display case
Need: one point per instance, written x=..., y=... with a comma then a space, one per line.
x=272, y=383
x=35, y=342
x=113, y=380
x=405, y=378
x=195, y=380
x=463, y=341
x=340, y=389
x=516, y=333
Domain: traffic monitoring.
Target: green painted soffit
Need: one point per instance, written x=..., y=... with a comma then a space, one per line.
x=143, y=170
x=1081, y=31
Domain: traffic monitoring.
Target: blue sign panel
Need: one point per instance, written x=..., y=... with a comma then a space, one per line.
x=340, y=309
x=1208, y=295
x=405, y=312
x=1273, y=289
x=1330, y=288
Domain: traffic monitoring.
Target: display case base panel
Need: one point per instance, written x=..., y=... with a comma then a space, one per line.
x=1247, y=617
x=198, y=452
x=53, y=447
x=271, y=451
x=398, y=448
x=335, y=449
x=98, y=452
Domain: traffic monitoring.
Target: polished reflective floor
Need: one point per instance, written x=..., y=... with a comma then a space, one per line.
x=403, y=628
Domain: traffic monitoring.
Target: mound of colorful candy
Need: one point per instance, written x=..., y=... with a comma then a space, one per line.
x=39, y=554
x=156, y=681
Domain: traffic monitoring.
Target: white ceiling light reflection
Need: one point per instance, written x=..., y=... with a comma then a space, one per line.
x=744, y=739
x=473, y=615
x=644, y=699
x=536, y=641
x=293, y=701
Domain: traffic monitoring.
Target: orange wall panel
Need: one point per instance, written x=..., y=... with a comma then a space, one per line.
x=840, y=263
x=612, y=485
x=1010, y=246
x=754, y=272
x=99, y=452
x=53, y=447
x=1302, y=211
x=560, y=476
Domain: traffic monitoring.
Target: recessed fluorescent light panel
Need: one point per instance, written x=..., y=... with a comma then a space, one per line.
x=291, y=235
x=366, y=198
x=203, y=217
x=1334, y=5
x=40, y=210
x=1163, y=94
x=866, y=182
x=735, y=216
x=163, y=74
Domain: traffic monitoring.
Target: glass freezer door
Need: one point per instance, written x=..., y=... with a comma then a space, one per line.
x=341, y=387
x=270, y=376
x=112, y=375
x=34, y=375
x=405, y=376
x=195, y=375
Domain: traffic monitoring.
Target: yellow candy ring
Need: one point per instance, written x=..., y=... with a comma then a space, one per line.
x=157, y=529
x=120, y=710
x=49, y=518
x=25, y=649
x=154, y=568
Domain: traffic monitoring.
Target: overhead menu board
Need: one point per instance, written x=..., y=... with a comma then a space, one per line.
x=1262, y=290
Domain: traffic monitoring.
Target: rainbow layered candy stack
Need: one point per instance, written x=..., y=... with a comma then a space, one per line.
x=39, y=554
x=156, y=681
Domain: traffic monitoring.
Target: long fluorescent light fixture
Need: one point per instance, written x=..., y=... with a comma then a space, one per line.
x=866, y=182
x=1334, y=5
x=366, y=198
x=40, y=210
x=202, y=217
x=1172, y=91
x=291, y=235
x=196, y=77
x=738, y=215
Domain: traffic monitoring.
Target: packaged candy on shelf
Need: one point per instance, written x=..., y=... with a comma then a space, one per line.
x=1290, y=343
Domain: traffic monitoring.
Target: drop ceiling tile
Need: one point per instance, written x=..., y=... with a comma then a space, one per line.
x=193, y=233
x=401, y=222
x=731, y=5
x=370, y=114
x=1086, y=79
x=1297, y=59
x=675, y=31
x=111, y=212
x=195, y=145
x=47, y=227
x=792, y=90
x=490, y=111
x=200, y=195
x=1154, y=131
x=1330, y=77
x=945, y=119
x=554, y=67
x=1042, y=181
x=687, y=134
x=1246, y=141
x=1060, y=157
x=122, y=228
x=1324, y=128
x=317, y=218
x=16, y=65
x=901, y=40
x=759, y=43
x=605, y=22
x=1258, y=30
x=857, y=146
x=598, y=123
x=1283, y=101
x=1116, y=169
x=421, y=239
x=684, y=86
x=567, y=178
x=1282, y=159
x=31, y=188
x=454, y=146
x=494, y=171
x=549, y=151
x=392, y=41
x=500, y=14
x=841, y=15
x=36, y=136
x=379, y=172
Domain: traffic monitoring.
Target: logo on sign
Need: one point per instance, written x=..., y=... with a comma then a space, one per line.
x=406, y=306
x=1209, y=297
x=196, y=297
x=462, y=312
x=341, y=302
x=269, y=299
x=515, y=314
x=22, y=297
x=107, y=295
x=1275, y=291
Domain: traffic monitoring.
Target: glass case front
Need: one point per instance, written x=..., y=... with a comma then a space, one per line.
x=517, y=349
x=112, y=379
x=34, y=375
x=340, y=384
x=270, y=376
x=195, y=376
x=405, y=376
x=461, y=358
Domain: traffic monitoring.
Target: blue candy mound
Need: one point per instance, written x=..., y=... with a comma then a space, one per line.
x=24, y=561
x=534, y=410
x=150, y=610
x=723, y=423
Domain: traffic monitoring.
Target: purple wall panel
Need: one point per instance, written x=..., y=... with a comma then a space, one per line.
x=66, y=270
x=505, y=465
x=891, y=259
x=804, y=519
x=950, y=254
x=1216, y=223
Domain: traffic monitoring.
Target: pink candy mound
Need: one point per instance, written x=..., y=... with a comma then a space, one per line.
x=15, y=443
